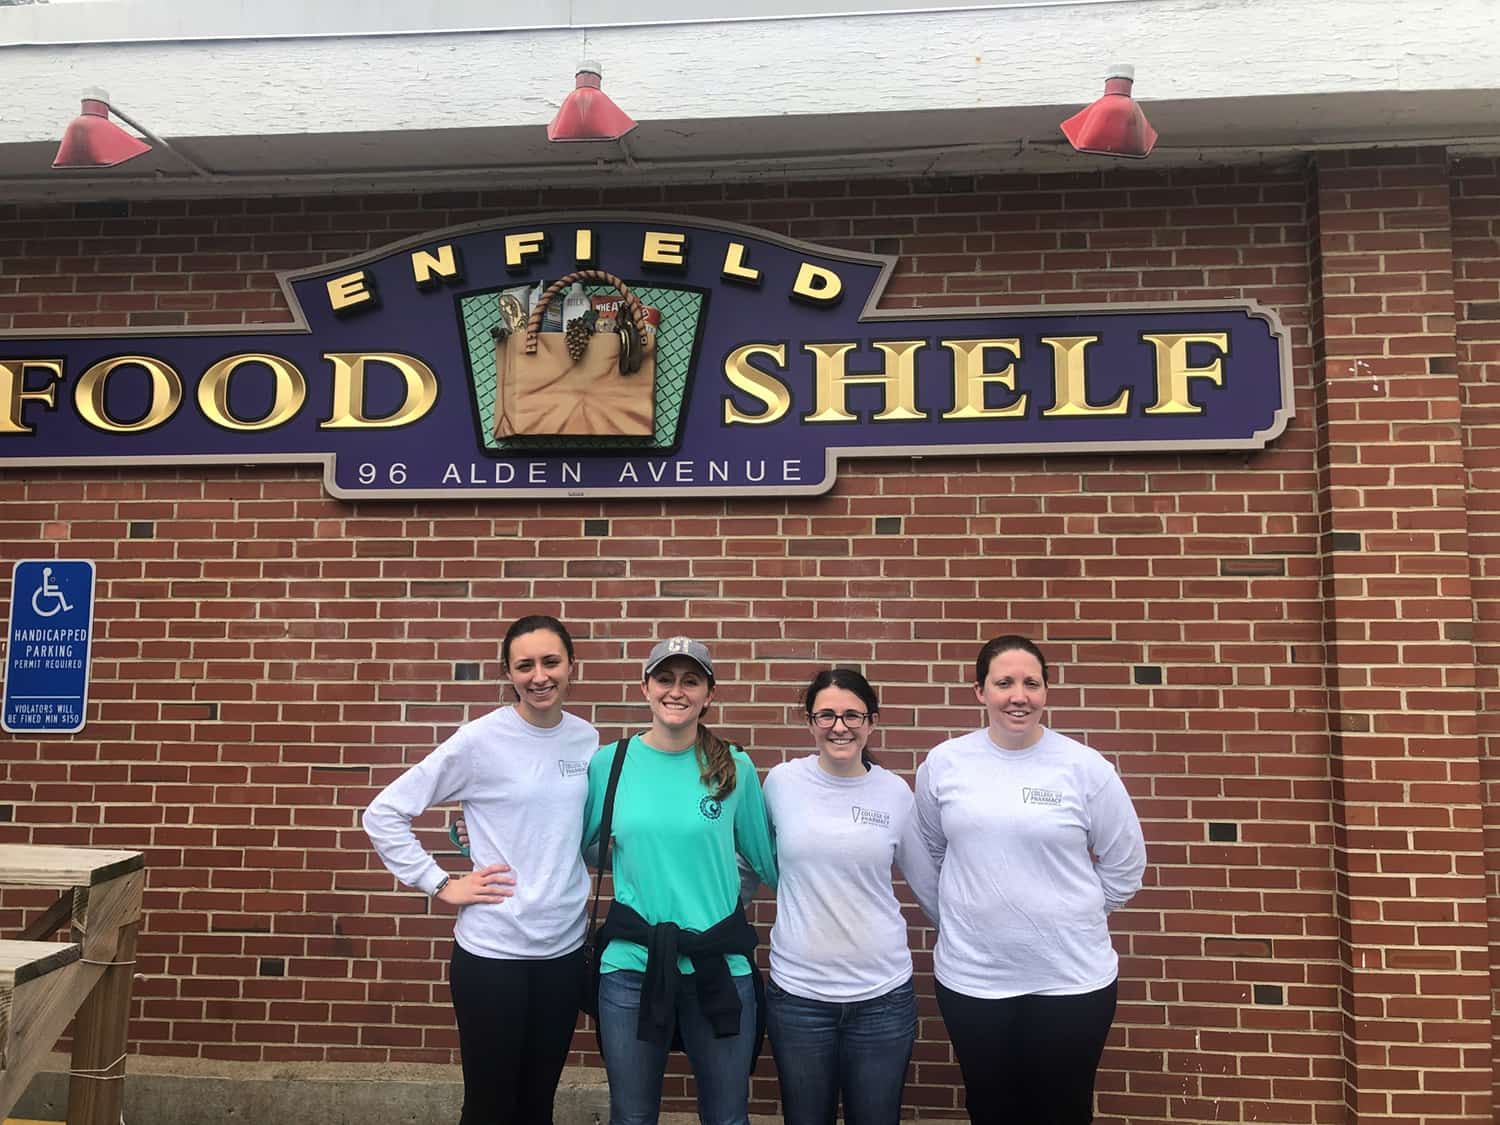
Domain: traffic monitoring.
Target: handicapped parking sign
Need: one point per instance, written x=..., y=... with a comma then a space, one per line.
x=47, y=646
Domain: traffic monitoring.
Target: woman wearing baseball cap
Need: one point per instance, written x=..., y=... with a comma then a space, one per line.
x=676, y=945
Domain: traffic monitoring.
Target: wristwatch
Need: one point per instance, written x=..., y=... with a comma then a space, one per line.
x=437, y=890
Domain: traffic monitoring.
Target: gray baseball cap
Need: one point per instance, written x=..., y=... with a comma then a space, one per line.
x=696, y=651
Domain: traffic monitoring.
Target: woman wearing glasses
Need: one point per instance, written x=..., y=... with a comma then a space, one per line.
x=841, y=1012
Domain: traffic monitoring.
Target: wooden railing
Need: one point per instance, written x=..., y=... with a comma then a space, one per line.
x=43, y=984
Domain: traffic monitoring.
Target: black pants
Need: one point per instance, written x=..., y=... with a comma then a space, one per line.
x=1029, y=1060
x=515, y=1025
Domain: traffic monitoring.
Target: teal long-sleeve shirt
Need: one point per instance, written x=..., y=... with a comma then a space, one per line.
x=675, y=847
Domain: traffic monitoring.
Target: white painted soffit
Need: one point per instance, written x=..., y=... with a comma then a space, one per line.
x=272, y=97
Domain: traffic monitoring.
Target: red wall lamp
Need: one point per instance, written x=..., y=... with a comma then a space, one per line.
x=92, y=140
x=1114, y=125
x=587, y=113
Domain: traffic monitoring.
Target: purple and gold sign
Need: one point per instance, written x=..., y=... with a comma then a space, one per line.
x=618, y=355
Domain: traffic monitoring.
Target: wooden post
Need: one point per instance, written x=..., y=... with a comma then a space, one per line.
x=44, y=986
x=96, y=1087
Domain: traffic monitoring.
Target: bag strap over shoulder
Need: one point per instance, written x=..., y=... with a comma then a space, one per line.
x=606, y=821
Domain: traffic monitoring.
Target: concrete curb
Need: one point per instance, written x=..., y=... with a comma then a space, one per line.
x=193, y=1092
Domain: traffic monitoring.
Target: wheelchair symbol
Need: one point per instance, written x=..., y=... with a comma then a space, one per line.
x=48, y=592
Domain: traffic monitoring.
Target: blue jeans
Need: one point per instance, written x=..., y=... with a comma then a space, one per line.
x=720, y=1066
x=857, y=1050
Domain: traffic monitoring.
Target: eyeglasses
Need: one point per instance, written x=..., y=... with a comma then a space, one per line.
x=853, y=720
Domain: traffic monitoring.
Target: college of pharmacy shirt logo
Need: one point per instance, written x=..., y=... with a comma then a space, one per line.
x=1052, y=798
x=870, y=816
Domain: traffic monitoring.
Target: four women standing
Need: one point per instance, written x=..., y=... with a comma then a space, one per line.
x=1024, y=838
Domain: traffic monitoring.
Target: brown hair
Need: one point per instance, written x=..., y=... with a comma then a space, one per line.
x=852, y=681
x=715, y=762
x=1010, y=642
x=534, y=623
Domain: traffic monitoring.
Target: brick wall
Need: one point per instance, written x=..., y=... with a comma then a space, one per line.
x=1476, y=293
x=268, y=657
x=1399, y=626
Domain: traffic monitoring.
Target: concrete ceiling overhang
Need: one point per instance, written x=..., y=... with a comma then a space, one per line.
x=935, y=142
x=968, y=89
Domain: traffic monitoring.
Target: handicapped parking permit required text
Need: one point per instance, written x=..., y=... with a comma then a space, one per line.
x=47, y=649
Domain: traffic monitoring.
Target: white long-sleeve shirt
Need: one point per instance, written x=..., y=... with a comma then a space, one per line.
x=839, y=935
x=1024, y=905
x=523, y=790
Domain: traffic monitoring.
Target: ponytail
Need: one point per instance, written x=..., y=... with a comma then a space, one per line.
x=715, y=762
